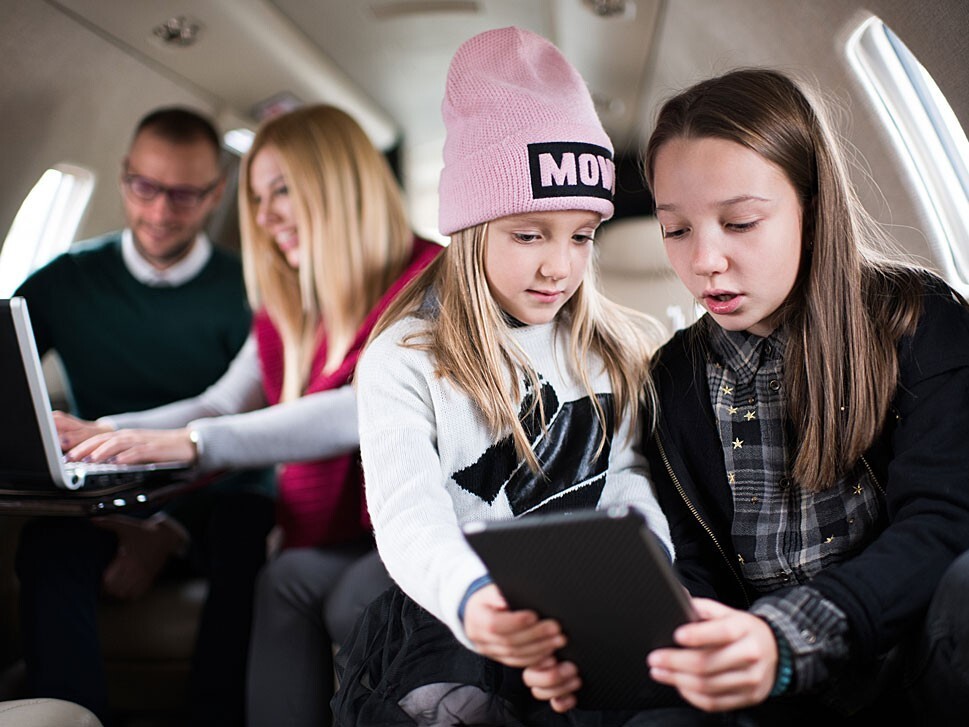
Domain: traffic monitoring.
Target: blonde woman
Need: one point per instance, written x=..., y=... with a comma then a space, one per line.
x=326, y=246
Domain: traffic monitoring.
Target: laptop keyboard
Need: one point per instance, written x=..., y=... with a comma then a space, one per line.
x=95, y=467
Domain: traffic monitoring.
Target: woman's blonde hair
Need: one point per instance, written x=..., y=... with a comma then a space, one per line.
x=354, y=238
x=853, y=295
x=470, y=342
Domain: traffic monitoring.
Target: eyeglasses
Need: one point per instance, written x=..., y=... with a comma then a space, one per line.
x=181, y=197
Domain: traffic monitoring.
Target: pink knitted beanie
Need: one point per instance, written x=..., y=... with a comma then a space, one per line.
x=522, y=134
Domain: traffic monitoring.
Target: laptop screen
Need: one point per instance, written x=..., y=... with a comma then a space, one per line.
x=23, y=458
x=31, y=466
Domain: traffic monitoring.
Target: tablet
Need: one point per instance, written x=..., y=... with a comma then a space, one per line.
x=606, y=579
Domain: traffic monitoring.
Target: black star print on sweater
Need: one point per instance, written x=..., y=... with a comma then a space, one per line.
x=566, y=452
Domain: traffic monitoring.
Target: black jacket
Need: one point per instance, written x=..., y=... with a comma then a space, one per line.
x=921, y=462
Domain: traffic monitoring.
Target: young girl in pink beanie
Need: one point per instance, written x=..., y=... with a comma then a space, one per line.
x=500, y=383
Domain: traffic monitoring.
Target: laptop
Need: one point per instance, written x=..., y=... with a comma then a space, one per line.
x=33, y=471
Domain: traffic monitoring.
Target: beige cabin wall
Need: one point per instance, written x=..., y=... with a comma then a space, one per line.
x=70, y=95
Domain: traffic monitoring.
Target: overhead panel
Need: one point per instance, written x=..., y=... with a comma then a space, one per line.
x=245, y=52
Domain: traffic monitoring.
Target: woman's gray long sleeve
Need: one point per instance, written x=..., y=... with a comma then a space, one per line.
x=236, y=429
x=239, y=390
x=315, y=426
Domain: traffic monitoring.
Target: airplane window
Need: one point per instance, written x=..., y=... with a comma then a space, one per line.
x=930, y=138
x=46, y=223
x=238, y=140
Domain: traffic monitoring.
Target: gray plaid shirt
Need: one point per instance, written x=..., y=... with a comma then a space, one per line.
x=784, y=535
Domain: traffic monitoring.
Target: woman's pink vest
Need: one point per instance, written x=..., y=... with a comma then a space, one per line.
x=322, y=502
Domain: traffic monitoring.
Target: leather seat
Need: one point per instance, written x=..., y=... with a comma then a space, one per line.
x=147, y=645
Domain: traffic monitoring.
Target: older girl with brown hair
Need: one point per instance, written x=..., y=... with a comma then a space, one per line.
x=810, y=448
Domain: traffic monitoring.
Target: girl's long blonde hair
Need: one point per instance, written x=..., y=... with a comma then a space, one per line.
x=854, y=297
x=354, y=238
x=469, y=340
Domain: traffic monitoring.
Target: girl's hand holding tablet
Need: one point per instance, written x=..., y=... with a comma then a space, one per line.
x=514, y=638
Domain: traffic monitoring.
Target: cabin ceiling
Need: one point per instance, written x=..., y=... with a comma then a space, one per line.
x=383, y=60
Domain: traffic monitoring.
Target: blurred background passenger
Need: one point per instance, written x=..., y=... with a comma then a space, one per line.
x=326, y=246
x=157, y=313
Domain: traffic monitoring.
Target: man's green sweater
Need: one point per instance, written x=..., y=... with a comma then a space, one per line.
x=127, y=346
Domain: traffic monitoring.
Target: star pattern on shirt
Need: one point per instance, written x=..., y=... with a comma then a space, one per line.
x=738, y=443
x=732, y=410
x=858, y=489
x=732, y=478
x=750, y=416
x=727, y=390
x=829, y=539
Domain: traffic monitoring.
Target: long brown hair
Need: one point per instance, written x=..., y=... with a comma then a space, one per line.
x=470, y=343
x=354, y=236
x=853, y=294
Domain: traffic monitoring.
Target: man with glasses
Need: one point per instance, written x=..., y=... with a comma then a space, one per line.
x=144, y=317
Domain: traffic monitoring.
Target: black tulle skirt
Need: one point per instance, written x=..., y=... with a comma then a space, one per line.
x=402, y=666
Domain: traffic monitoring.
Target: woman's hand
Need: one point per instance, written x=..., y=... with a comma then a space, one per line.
x=136, y=446
x=726, y=660
x=514, y=638
x=72, y=431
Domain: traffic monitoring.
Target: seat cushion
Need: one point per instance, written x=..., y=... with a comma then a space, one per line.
x=159, y=626
x=45, y=713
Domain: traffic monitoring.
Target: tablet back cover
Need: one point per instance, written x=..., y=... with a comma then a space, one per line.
x=603, y=576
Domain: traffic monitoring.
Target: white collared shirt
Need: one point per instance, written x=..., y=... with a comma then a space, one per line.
x=178, y=274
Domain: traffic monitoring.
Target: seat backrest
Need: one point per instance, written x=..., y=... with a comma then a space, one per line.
x=634, y=271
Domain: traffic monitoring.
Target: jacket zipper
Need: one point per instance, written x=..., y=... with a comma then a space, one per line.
x=696, y=514
x=871, y=473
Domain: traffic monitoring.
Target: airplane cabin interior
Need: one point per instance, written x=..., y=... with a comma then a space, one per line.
x=78, y=74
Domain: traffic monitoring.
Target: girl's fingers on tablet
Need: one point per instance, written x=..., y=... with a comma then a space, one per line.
x=550, y=674
x=512, y=623
x=521, y=655
x=554, y=682
x=563, y=704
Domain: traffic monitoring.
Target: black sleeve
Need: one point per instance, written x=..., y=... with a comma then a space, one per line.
x=886, y=588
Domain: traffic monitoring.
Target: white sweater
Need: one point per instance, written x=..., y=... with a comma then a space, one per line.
x=431, y=465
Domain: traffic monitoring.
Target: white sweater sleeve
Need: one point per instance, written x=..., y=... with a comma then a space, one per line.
x=417, y=531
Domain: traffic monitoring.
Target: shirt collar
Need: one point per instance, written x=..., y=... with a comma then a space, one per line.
x=744, y=353
x=178, y=274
